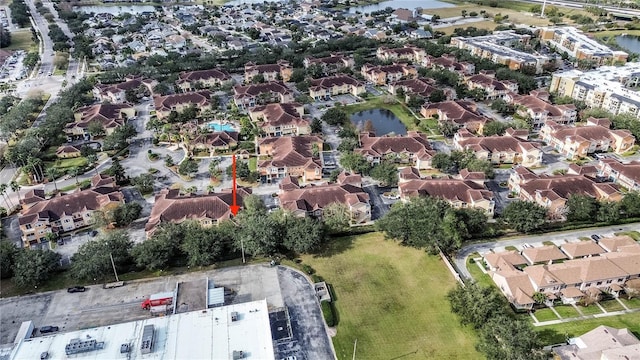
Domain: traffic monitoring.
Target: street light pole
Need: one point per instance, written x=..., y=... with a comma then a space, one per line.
x=114, y=267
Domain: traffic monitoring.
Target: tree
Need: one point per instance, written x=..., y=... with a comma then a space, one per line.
x=464, y=13
x=355, y=162
x=95, y=129
x=34, y=267
x=581, y=208
x=187, y=167
x=505, y=338
x=316, y=126
x=502, y=107
x=495, y=128
x=242, y=171
x=144, y=183
x=117, y=171
x=348, y=145
x=298, y=75
x=8, y=254
x=157, y=252
x=258, y=234
x=476, y=304
x=539, y=297
x=92, y=259
x=5, y=37
x=630, y=204
x=52, y=174
x=632, y=288
x=448, y=128
x=204, y=246
x=125, y=214
x=524, y=216
x=257, y=79
x=608, y=212
x=15, y=187
x=437, y=96
x=302, y=235
x=386, y=172
x=336, y=218
x=478, y=94
x=335, y=116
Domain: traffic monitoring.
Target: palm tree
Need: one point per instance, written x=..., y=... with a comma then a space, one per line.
x=52, y=174
x=15, y=187
x=93, y=159
x=3, y=191
x=75, y=171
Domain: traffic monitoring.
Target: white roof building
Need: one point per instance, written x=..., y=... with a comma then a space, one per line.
x=240, y=331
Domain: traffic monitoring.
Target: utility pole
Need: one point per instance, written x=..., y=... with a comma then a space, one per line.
x=242, y=247
x=114, y=267
x=354, y=349
x=543, y=6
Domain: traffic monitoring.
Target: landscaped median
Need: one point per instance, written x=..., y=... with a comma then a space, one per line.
x=392, y=299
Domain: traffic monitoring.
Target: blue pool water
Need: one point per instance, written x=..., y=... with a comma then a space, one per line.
x=223, y=127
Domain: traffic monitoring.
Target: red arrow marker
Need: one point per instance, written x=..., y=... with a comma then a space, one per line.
x=234, y=207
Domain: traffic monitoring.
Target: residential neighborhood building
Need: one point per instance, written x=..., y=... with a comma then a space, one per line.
x=62, y=213
x=68, y=151
x=580, y=46
x=607, y=87
x=281, y=119
x=505, y=149
x=495, y=89
x=539, y=110
x=462, y=113
x=626, y=175
x=468, y=191
x=330, y=64
x=117, y=93
x=576, y=142
x=170, y=206
x=164, y=105
x=422, y=87
x=203, y=79
x=312, y=199
x=450, y=63
x=407, y=53
x=566, y=280
x=296, y=156
x=326, y=87
x=280, y=71
x=553, y=191
x=385, y=74
x=582, y=249
x=248, y=96
x=603, y=342
x=110, y=116
x=212, y=142
x=499, y=48
x=412, y=149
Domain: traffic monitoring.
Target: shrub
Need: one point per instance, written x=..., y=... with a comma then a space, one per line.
x=308, y=269
x=328, y=313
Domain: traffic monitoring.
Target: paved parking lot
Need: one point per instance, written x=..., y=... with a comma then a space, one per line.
x=281, y=287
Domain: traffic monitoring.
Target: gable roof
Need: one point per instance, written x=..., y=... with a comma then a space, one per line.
x=280, y=114
x=109, y=115
x=458, y=111
x=581, y=248
x=603, y=342
x=216, y=139
x=453, y=190
x=414, y=143
x=199, y=75
x=313, y=198
x=252, y=90
x=168, y=102
x=330, y=81
x=493, y=144
x=543, y=254
x=563, y=186
x=291, y=151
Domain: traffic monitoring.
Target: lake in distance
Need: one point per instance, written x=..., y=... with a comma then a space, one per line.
x=384, y=121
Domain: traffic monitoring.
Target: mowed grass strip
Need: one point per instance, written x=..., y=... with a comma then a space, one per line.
x=392, y=300
x=555, y=334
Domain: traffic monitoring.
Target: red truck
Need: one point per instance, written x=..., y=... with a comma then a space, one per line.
x=165, y=298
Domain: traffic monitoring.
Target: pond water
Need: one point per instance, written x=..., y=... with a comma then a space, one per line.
x=401, y=4
x=115, y=10
x=629, y=42
x=383, y=121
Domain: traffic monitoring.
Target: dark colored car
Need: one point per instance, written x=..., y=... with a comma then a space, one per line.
x=93, y=233
x=48, y=329
x=595, y=237
x=75, y=289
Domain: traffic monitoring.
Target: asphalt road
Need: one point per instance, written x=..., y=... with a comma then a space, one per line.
x=460, y=258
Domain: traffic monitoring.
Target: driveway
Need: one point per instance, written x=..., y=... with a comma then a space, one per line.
x=460, y=258
x=378, y=207
x=500, y=193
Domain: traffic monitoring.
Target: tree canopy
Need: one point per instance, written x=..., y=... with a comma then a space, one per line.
x=524, y=216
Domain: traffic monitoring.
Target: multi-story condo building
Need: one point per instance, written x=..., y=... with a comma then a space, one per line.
x=626, y=175
x=164, y=105
x=330, y=64
x=413, y=149
x=297, y=156
x=406, y=53
x=271, y=72
x=510, y=148
x=385, y=74
x=248, y=96
x=203, y=79
x=110, y=116
x=541, y=111
x=324, y=88
x=281, y=119
x=580, y=46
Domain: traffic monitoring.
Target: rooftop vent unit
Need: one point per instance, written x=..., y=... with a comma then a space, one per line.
x=146, y=346
x=238, y=355
x=234, y=316
x=124, y=348
x=77, y=346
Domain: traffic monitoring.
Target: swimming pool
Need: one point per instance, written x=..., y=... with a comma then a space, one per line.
x=224, y=127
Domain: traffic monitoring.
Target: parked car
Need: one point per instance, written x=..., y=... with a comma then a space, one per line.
x=93, y=233
x=75, y=289
x=60, y=242
x=48, y=329
x=595, y=237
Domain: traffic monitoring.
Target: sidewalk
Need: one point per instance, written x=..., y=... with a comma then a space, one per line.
x=585, y=317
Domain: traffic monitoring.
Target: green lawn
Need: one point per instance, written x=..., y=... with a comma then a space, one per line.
x=21, y=40
x=611, y=305
x=632, y=234
x=66, y=164
x=480, y=277
x=554, y=334
x=392, y=300
x=567, y=311
x=631, y=304
x=545, y=315
x=590, y=310
x=253, y=163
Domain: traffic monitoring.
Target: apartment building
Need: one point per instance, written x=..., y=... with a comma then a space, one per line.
x=207, y=209
x=297, y=156
x=214, y=141
x=498, y=48
x=626, y=175
x=326, y=87
x=406, y=53
x=580, y=46
x=608, y=87
x=42, y=216
x=330, y=64
x=164, y=105
x=603, y=342
x=576, y=142
x=385, y=74
x=117, y=93
x=422, y=87
x=203, y=79
x=464, y=114
x=495, y=89
x=505, y=149
x=539, y=110
x=281, y=71
x=312, y=199
x=110, y=116
x=248, y=96
x=413, y=149
x=281, y=119
x=450, y=63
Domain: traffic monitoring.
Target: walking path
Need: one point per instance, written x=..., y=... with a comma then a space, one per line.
x=583, y=317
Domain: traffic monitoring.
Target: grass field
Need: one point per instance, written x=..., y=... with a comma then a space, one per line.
x=392, y=300
x=632, y=304
x=21, y=40
x=554, y=334
x=567, y=311
x=253, y=163
x=545, y=315
x=611, y=305
x=590, y=310
x=488, y=25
